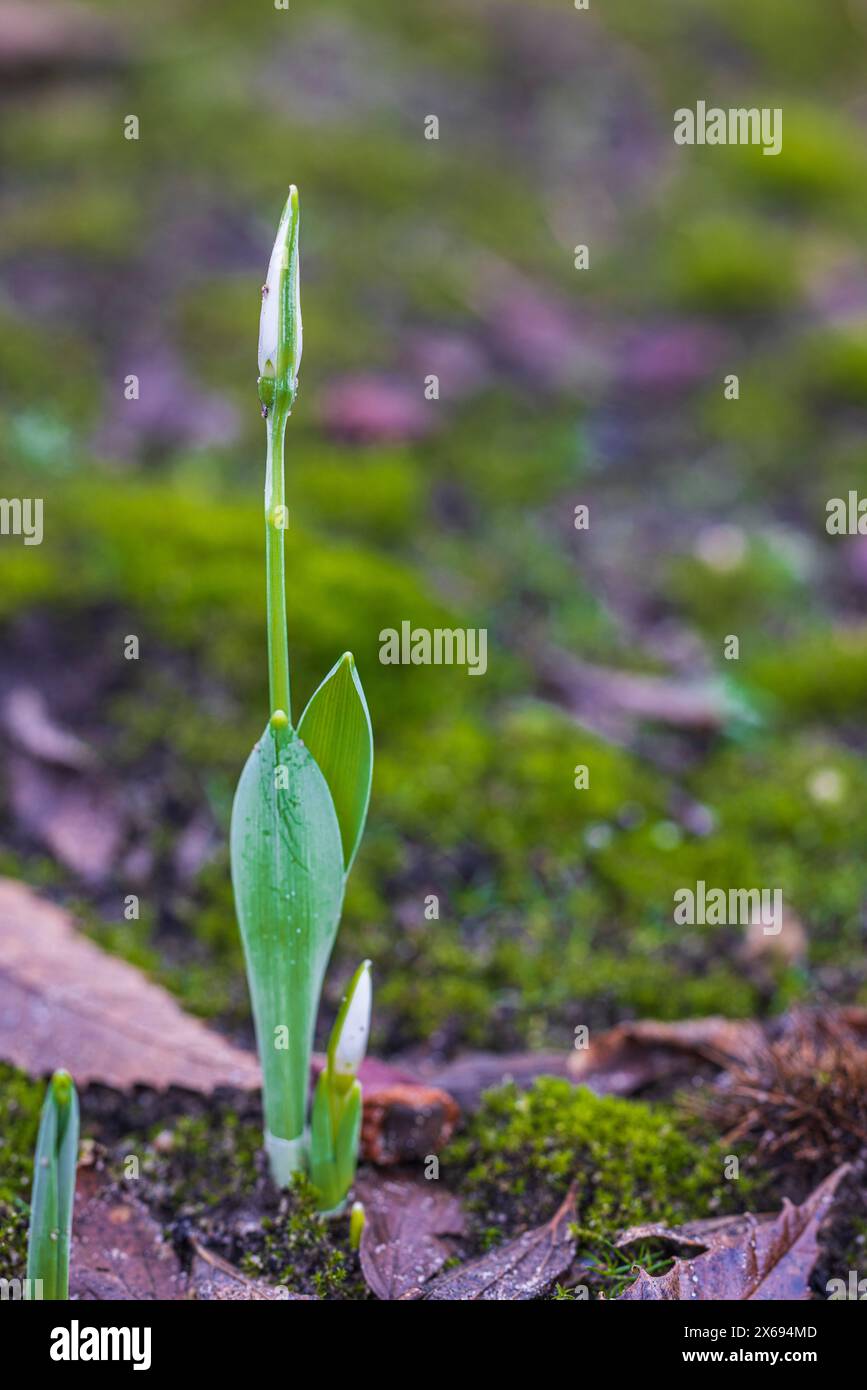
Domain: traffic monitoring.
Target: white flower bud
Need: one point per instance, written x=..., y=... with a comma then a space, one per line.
x=349, y=1039
x=284, y=260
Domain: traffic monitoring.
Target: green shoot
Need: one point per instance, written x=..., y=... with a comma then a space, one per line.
x=53, y=1191
x=356, y=1225
x=337, y=1101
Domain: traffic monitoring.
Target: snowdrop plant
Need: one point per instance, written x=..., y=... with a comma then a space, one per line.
x=336, y=1124
x=54, y=1167
x=301, y=803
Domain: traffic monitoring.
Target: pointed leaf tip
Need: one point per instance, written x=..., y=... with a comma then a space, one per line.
x=348, y=1043
x=336, y=729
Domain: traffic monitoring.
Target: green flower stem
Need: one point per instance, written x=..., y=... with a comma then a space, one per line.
x=275, y=565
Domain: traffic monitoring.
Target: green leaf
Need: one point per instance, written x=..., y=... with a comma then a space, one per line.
x=334, y=1156
x=54, y=1168
x=287, y=873
x=348, y=1135
x=336, y=728
x=323, y=1170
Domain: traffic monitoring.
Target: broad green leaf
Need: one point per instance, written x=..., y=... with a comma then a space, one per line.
x=336, y=728
x=54, y=1168
x=287, y=873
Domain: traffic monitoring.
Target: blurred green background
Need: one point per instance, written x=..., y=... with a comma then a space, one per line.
x=558, y=387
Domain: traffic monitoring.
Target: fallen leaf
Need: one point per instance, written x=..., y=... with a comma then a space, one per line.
x=37, y=40
x=79, y=819
x=64, y=1002
x=627, y=1058
x=214, y=1280
x=194, y=847
x=401, y=1244
x=693, y=1237
x=765, y=1260
x=28, y=722
x=521, y=1269
x=118, y=1251
x=370, y=409
x=473, y=1073
x=613, y=702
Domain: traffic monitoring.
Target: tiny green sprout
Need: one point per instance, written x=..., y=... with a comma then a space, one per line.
x=54, y=1167
x=356, y=1224
x=301, y=803
x=337, y=1100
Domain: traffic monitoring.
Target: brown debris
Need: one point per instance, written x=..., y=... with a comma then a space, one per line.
x=473, y=1073
x=521, y=1269
x=405, y=1122
x=799, y=1097
x=80, y=821
x=767, y=1260
x=402, y=1244
x=631, y=1056
x=613, y=703
x=31, y=727
x=38, y=40
x=118, y=1251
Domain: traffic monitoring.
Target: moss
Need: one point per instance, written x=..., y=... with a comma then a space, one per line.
x=802, y=806
x=834, y=365
x=188, y=566
x=755, y=593
x=25, y=348
x=20, y=1104
x=206, y=1175
x=299, y=1250
x=732, y=265
x=630, y=1163
x=821, y=160
x=88, y=219
x=821, y=675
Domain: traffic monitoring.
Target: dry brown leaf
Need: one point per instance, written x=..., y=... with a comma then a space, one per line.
x=118, y=1251
x=693, y=1237
x=624, y=1059
x=613, y=702
x=78, y=819
x=30, y=725
x=37, y=39
x=402, y=1243
x=521, y=1269
x=66, y=1003
x=763, y=1260
x=468, y=1076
